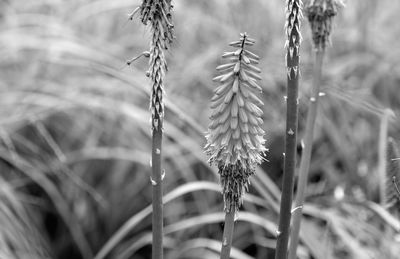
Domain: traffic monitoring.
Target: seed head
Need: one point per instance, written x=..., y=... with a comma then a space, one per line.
x=235, y=137
x=320, y=14
x=158, y=12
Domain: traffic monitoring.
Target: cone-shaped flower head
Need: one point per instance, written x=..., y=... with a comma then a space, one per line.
x=320, y=14
x=235, y=137
x=158, y=12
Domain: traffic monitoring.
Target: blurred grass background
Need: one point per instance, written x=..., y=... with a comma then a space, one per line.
x=75, y=134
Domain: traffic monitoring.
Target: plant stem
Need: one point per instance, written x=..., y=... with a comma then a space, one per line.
x=292, y=44
x=228, y=233
x=306, y=154
x=382, y=155
x=157, y=248
x=289, y=168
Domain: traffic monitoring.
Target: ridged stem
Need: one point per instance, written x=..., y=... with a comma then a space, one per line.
x=228, y=234
x=156, y=175
x=306, y=154
x=289, y=169
x=382, y=155
x=292, y=59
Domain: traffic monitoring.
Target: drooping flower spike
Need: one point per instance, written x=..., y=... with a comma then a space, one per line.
x=235, y=137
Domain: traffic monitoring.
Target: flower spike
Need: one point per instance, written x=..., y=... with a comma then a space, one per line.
x=235, y=137
x=158, y=13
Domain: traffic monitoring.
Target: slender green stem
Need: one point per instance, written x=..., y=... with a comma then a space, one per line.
x=289, y=168
x=228, y=234
x=156, y=179
x=306, y=154
x=382, y=156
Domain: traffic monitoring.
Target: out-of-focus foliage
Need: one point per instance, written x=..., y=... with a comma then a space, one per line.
x=75, y=133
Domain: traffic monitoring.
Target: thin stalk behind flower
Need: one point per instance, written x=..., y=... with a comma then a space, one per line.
x=235, y=137
x=227, y=236
x=293, y=23
x=158, y=13
x=320, y=14
x=306, y=155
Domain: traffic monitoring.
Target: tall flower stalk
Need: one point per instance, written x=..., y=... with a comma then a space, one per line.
x=157, y=13
x=320, y=14
x=292, y=45
x=235, y=137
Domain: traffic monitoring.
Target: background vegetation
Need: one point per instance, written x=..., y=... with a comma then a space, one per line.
x=75, y=133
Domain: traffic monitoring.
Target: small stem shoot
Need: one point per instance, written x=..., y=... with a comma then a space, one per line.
x=156, y=177
x=228, y=233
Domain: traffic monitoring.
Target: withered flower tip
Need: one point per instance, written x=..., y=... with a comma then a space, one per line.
x=158, y=13
x=320, y=14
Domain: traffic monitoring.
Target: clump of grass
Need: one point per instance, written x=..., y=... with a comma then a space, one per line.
x=97, y=114
x=158, y=14
x=235, y=137
x=292, y=45
x=320, y=14
x=19, y=235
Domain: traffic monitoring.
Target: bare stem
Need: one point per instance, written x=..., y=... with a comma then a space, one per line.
x=382, y=156
x=289, y=168
x=306, y=154
x=157, y=248
x=228, y=234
